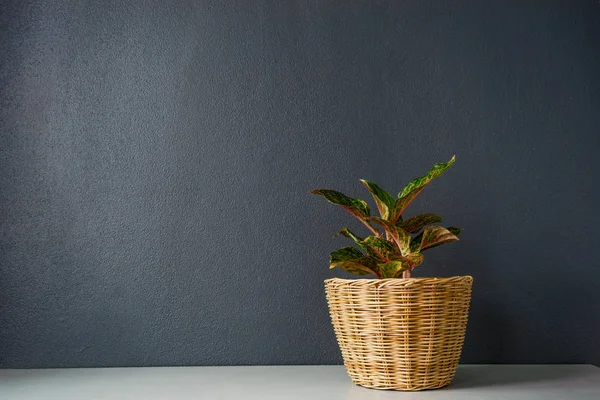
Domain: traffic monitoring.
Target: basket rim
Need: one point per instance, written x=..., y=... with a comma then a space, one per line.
x=437, y=278
x=401, y=282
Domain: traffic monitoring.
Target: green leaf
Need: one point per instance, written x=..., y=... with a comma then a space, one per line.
x=378, y=243
x=375, y=246
x=385, y=224
x=435, y=236
x=400, y=236
x=418, y=222
x=412, y=190
x=357, y=207
x=397, y=265
x=381, y=247
x=415, y=259
x=384, y=200
x=403, y=240
x=355, y=268
x=392, y=269
x=349, y=234
x=417, y=183
x=353, y=261
x=346, y=254
x=454, y=230
x=415, y=243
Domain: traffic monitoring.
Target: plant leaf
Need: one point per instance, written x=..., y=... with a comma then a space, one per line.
x=385, y=224
x=380, y=246
x=435, y=236
x=353, y=261
x=403, y=240
x=383, y=200
x=400, y=236
x=349, y=234
x=418, y=222
x=415, y=243
x=357, y=207
x=454, y=230
x=346, y=254
x=415, y=259
x=392, y=269
x=375, y=246
x=412, y=190
x=435, y=171
x=355, y=268
x=396, y=266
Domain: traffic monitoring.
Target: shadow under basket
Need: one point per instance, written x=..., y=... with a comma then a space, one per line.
x=401, y=334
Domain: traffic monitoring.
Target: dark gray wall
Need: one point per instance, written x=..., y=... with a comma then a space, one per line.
x=156, y=159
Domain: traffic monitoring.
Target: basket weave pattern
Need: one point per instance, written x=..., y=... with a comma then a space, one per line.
x=402, y=334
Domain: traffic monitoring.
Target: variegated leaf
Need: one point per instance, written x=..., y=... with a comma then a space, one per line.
x=385, y=224
x=399, y=221
x=353, y=261
x=349, y=234
x=346, y=254
x=435, y=171
x=435, y=236
x=418, y=222
x=401, y=237
x=355, y=268
x=380, y=246
x=357, y=207
x=372, y=246
x=415, y=243
x=415, y=259
x=376, y=247
x=384, y=200
x=403, y=240
x=412, y=190
x=392, y=269
x=454, y=230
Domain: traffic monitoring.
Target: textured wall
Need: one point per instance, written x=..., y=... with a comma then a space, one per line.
x=156, y=157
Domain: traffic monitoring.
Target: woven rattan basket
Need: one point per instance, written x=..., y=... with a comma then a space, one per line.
x=402, y=334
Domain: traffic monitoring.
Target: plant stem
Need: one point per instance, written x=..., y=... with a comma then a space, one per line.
x=375, y=232
x=406, y=274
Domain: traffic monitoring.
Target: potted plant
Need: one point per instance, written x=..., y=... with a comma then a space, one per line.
x=395, y=331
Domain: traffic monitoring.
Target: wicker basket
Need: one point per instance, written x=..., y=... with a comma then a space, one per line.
x=402, y=334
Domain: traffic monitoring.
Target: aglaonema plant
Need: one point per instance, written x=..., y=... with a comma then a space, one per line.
x=396, y=245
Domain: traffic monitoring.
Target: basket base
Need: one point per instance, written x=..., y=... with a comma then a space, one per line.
x=403, y=388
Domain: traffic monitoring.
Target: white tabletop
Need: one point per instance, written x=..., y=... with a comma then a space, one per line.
x=489, y=382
